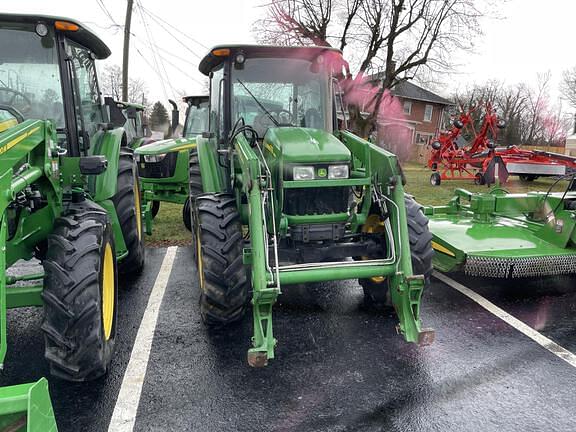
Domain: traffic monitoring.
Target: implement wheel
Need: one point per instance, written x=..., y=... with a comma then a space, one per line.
x=435, y=179
x=80, y=294
x=129, y=210
x=376, y=292
x=222, y=277
x=527, y=177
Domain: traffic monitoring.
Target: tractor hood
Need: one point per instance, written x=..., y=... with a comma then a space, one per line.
x=166, y=146
x=305, y=145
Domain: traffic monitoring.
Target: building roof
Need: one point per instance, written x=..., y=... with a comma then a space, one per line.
x=409, y=90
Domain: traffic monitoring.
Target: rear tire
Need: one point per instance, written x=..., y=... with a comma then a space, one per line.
x=377, y=293
x=222, y=276
x=80, y=294
x=435, y=179
x=128, y=207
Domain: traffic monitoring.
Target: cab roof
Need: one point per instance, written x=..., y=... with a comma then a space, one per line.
x=212, y=59
x=84, y=36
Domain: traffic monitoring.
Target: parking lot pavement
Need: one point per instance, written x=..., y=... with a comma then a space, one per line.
x=85, y=407
x=338, y=366
x=342, y=368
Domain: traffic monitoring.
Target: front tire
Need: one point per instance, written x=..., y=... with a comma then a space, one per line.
x=80, y=294
x=222, y=277
x=129, y=211
x=376, y=290
x=186, y=215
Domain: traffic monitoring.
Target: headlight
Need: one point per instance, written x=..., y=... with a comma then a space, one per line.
x=154, y=158
x=303, y=173
x=337, y=172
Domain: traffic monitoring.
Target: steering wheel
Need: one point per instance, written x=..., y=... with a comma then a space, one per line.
x=25, y=109
x=277, y=114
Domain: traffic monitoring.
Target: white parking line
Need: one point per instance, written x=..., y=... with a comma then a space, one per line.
x=537, y=337
x=124, y=415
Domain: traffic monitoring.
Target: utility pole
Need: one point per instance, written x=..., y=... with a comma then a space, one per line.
x=126, y=51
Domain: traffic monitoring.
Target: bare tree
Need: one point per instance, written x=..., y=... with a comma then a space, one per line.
x=568, y=85
x=111, y=85
x=396, y=38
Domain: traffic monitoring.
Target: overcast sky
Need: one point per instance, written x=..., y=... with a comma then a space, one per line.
x=534, y=36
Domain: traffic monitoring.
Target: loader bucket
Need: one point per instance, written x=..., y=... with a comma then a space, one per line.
x=27, y=408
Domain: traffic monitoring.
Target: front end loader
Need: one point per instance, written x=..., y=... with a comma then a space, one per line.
x=70, y=199
x=506, y=235
x=288, y=197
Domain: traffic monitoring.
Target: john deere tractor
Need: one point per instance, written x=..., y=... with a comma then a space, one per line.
x=70, y=198
x=288, y=197
x=168, y=175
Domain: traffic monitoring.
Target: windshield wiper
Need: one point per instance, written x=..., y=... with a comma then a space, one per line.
x=260, y=104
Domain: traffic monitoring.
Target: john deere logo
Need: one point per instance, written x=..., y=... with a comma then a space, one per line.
x=322, y=172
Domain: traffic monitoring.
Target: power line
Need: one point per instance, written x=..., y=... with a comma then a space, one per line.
x=153, y=15
x=107, y=12
x=170, y=33
x=183, y=72
x=154, y=56
x=165, y=51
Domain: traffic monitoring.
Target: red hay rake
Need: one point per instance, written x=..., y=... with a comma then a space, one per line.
x=453, y=158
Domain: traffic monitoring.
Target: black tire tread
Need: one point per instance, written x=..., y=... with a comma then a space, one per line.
x=74, y=343
x=224, y=297
x=125, y=205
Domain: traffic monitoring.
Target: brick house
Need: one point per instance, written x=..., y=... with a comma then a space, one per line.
x=424, y=113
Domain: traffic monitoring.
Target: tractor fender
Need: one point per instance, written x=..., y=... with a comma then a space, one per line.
x=108, y=145
x=211, y=172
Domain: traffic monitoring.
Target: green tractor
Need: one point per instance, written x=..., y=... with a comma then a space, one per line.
x=288, y=197
x=70, y=199
x=507, y=235
x=169, y=176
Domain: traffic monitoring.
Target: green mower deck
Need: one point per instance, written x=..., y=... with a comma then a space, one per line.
x=505, y=235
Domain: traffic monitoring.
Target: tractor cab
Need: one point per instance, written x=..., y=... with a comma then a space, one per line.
x=48, y=73
x=271, y=87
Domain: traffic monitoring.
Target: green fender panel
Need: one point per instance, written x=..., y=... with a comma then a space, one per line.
x=107, y=144
x=213, y=174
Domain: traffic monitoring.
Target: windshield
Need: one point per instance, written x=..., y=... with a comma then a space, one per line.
x=290, y=90
x=29, y=74
x=196, y=120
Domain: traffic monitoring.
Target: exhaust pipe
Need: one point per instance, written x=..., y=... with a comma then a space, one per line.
x=175, y=117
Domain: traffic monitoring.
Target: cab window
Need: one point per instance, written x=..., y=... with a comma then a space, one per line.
x=87, y=101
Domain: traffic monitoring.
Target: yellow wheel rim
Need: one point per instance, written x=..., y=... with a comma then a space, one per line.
x=108, y=282
x=138, y=208
x=374, y=225
x=199, y=259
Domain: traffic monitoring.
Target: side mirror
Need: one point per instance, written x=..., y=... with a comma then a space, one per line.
x=117, y=117
x=175, y=116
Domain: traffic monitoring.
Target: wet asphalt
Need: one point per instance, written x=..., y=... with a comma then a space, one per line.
x=338, y=366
